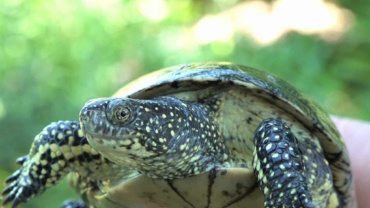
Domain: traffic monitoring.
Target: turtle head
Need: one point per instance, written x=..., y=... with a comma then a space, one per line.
x=123, y=126
x=149, y=134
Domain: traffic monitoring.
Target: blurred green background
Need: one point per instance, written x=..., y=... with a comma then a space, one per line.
x=57, y=54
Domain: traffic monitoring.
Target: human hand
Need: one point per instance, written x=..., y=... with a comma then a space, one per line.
x=356, y=135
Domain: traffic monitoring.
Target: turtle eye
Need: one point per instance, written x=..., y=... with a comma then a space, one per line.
x=123, y=114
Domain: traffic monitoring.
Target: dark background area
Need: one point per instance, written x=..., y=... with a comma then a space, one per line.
x=57, y=54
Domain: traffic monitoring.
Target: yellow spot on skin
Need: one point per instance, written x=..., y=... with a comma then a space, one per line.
x=282, y=167
x=172, y=133
x=80, y=133
x=135, y=146
x=94, y=152
x=44, y=162
x=53, y=173
x=164, y=116
x=147, y=129
x=68, y=155
x=62, y=163
x=293, y=191
x=55, y=167
x=305, y=157
x=264, y=180
x=86, y=148
x=76, y=150
x=182, y=147
x=60, y=136
x=125, y=142
x=42, y=149
x=260, y=175
x=53, y=147
x=258, y=166
x=70, y=140
x=43, y=171
x=64, y=149
x=268, y=147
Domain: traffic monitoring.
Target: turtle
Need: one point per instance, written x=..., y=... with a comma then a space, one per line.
x=207, y=134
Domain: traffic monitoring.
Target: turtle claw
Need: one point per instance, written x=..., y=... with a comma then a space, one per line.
x=9, y=198
x=20, y=186
x=22, y=159
x=13, y=177
x=7, y=190
x=18, y=192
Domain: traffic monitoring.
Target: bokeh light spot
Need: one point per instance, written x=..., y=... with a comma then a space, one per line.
x=154, y=10
x=267, y=22
x=213, y=28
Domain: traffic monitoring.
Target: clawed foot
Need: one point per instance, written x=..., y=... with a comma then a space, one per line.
x=21, y=186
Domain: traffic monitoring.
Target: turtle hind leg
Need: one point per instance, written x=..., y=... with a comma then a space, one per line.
x=279, y=168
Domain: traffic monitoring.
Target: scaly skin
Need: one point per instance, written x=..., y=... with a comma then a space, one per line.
x=164, y=138
x=279, y=167
x=59, y=149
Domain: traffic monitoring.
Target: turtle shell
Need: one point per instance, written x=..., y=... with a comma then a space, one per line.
x=236, y=186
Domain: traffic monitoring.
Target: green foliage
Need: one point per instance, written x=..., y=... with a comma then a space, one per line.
x=57, y=54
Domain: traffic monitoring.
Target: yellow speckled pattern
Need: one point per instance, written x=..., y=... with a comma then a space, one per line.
x=199, y=135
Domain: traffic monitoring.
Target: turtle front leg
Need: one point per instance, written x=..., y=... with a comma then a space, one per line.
x=59, y=149
x=279, y=168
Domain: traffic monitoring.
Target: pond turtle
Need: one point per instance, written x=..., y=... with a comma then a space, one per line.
x=196, y=135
